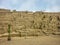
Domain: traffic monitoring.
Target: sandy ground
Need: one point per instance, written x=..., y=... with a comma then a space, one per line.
x=42, y=40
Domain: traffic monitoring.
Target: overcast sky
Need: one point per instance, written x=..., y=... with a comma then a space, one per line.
x=31, y=5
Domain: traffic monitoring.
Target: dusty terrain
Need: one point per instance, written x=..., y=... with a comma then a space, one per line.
x=30, y=28
x=41, y=40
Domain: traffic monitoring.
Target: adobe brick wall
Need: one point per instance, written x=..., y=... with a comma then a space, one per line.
x=37, y=21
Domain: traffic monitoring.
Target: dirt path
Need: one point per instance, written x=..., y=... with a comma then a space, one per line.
x=43, y=40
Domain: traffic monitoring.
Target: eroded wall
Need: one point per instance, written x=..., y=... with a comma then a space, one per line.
x=30, y=23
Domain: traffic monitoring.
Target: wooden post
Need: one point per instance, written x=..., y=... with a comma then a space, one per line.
x=9, y=35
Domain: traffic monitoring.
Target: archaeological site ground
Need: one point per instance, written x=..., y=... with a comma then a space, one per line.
x=29, y=28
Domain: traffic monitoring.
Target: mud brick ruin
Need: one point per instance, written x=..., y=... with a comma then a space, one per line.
x=29, y=23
